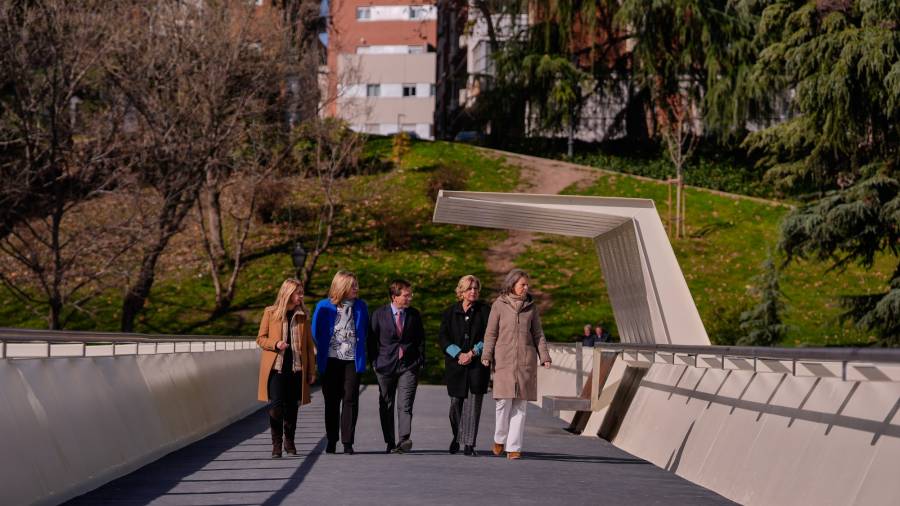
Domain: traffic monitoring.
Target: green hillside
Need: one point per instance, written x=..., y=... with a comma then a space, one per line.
x=729, y=239
x=385, y=230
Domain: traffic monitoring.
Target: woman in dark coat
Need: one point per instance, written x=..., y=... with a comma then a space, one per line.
x=462, y=339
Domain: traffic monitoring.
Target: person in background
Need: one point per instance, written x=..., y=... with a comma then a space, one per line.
x=601, y=335
x=339, y=325
x=587, y=338
x=514, y=343
x=287, y=363
x=397, y=348
x=462, y=339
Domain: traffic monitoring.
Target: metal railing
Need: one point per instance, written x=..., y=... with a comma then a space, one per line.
x=763, y=359
x=30, y=343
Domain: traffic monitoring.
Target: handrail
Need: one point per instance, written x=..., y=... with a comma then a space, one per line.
x=12, y=335
x=881, y=355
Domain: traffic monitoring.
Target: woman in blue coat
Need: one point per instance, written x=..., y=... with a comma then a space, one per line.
x=339, y=329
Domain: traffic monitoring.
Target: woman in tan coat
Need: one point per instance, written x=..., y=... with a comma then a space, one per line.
x=287, y=364
x=513, y=344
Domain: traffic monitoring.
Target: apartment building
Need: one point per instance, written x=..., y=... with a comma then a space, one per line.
x=381, y=65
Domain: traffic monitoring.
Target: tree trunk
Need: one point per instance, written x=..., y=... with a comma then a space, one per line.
x=169, y=223
x=683, y=209
x=678, y=217
x=570, y=151
x=138, y=292
x=213, y=216
x=636, y=115
x=322, y=243
x=53, y=318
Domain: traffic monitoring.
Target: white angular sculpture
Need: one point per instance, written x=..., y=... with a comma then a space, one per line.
x=650, y=298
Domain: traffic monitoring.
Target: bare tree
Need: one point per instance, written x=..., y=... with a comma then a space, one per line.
x=326, y=151
x=194, y=75
x=59, y=150
x=677, y=122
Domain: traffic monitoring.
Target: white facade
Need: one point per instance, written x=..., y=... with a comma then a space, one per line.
x=392, y=49
x=396, y=13
x=476, y=42
x=388, y=93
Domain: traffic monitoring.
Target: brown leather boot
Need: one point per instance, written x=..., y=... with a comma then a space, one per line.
x=276, y=419
x=290, y=427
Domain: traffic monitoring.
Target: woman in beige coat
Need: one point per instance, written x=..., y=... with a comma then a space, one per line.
x=287, y=364
x=513, y=344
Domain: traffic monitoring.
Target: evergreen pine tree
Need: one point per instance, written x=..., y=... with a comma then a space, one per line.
x=762, y=324
x=840, y=63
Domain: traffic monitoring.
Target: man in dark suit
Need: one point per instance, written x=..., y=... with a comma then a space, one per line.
x=601, y=335
x=397, y=349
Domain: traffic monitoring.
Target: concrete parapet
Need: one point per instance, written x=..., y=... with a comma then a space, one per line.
x=769, y=438
x=68, y=425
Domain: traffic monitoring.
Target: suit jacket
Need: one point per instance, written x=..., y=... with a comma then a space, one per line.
x=385, y=344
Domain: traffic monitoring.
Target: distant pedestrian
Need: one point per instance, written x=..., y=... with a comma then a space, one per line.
x=339, y=326
x=397, y=349
x=462, y=339
x=514, y=344
x=601, y=335
x=287, y=363
x=587, y=335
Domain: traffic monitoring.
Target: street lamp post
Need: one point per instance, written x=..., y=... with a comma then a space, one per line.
x=298, y=256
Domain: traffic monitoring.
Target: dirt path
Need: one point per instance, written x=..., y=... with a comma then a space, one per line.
x=538, y=176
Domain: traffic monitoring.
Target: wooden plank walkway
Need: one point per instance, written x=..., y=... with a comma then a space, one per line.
x=233, y=467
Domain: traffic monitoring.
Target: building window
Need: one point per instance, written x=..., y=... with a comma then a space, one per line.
x=431, y=90
x=363, y=13
x=409, y=90
x=415, y=49
x=416, y=12
x=373, y=90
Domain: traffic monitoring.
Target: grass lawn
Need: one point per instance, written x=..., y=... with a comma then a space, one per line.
x=384, y=230
x=728, y=240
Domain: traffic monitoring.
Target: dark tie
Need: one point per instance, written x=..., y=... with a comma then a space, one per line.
x=399, y=322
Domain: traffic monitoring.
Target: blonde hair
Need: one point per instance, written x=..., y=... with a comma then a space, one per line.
x=465, y=283
x=288, y=287
x=341, y=286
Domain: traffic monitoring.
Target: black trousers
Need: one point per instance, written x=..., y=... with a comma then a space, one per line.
x=285, y=389
x=340, y=387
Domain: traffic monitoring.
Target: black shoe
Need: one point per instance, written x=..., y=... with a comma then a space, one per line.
x=470, y=451
x=331, y=447
x=454, y=447
x=403, y=447
x=390, y=448
x=348, y=449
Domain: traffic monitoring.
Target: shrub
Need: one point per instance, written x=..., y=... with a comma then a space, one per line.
x=445, y=177
x=394, y=230
x=270, y=200
x=400, y=147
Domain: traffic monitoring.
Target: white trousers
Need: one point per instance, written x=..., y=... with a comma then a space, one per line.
x=510, y=423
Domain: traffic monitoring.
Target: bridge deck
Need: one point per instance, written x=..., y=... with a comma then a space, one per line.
x=233, y=467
